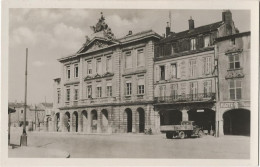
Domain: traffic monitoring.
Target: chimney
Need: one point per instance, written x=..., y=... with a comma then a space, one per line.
x=191, y=24
x=227, y=16
x=168, y=30
x=130, y=32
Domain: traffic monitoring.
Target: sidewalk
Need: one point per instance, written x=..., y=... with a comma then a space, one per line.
x=36, y=152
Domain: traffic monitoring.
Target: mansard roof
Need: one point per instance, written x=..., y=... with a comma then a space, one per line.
x=193, y=32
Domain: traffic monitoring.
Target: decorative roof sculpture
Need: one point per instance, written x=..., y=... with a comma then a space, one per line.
x=102, y=26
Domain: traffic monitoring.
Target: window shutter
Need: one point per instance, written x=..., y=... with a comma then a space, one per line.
x=203, y=65
x=170, y=71
x=157, y=73
x=209, y=86
x=178, y=68
x=167, y=72
x=210, y=66
x=190, y=73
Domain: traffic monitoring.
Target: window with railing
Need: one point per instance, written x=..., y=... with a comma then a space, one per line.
x=76, y=93
x=68, y=95
x=109, y=90
x=140, y=90
x=162, y=91
x=99, y=91
x=128, y=88
x=89, y=91
x=194, y=90
x=207, y=88
x=174, y=91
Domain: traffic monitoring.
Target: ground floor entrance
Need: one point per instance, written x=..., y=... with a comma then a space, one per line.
x=236, y=122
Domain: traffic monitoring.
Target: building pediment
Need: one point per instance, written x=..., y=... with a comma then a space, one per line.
x=96, y=44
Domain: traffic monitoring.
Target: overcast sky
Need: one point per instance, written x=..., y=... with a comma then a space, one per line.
x=53, y=33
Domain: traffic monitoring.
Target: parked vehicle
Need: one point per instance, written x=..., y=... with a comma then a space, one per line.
x=185, y=129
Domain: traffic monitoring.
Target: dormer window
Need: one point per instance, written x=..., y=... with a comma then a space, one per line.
x=206, y=41
x=193, y=44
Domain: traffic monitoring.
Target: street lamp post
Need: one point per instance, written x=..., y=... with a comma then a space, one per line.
x=24, y=135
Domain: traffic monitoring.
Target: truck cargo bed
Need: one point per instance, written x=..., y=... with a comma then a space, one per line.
x=165, y=128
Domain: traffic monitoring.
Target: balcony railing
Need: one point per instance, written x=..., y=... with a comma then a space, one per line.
x=186, y=98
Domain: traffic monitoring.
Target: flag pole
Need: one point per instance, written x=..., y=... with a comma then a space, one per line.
x=24, y=135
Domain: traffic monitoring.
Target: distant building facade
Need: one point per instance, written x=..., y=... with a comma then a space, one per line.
x=36, y=114
x=233, y=53
x=107, y=86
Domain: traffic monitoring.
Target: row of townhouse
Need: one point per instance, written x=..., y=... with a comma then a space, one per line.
x=143, y=80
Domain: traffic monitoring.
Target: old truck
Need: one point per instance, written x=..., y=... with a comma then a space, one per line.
x=185, y=129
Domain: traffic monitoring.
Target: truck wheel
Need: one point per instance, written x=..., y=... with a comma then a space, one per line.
x=200, y=134
x=169, y=135
x=182, y=135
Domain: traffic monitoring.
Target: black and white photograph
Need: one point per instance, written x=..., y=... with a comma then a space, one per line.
x=112, y=81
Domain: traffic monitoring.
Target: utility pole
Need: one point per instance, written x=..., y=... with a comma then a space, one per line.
x=24, y=135
x=35, y=117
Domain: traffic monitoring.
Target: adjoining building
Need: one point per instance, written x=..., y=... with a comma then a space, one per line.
x=107, y=86
x=233, y=54
x=186, y=74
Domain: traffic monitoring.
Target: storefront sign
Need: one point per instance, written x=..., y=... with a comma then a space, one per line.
x=235, y=104
x=227, y=105
x=200, y=110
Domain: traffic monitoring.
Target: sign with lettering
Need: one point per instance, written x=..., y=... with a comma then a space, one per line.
x=227, y=105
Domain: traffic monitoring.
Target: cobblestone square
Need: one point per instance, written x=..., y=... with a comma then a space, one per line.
x=142, y=146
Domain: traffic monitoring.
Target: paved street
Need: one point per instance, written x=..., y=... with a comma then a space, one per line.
x=142, y=146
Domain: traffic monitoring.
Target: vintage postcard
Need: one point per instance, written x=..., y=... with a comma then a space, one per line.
x=126, y=83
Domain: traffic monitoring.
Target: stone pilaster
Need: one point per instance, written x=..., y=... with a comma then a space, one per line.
x=99, y=121
x=134, y=121
x=185, y=116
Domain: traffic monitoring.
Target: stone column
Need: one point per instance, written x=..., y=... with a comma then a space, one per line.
x=62, y=126
x=99, y=121
x=134, y=122
x=89, y=130
x=71, y=115
x=185, y=116
x=79, y=121
x=110, y=121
